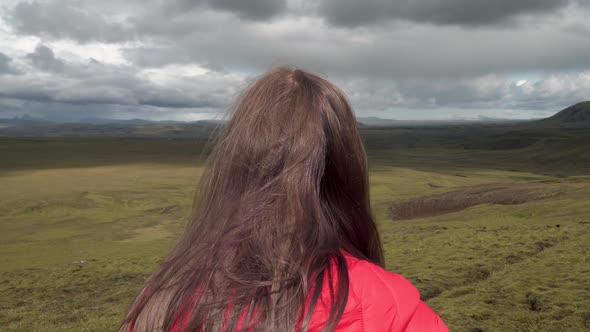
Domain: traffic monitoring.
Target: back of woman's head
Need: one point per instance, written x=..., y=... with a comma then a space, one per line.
x=284, y=191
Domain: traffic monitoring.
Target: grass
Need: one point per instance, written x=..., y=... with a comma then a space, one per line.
x=84, y=221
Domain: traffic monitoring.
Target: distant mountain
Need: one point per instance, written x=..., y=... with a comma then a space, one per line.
x=24, y=120
x=578, y=114
x=27, y=120
x=373, y=121
x=112, y=121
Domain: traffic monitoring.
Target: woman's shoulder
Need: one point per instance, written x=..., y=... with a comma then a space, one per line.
x=388, y=300
x=363, y=271
x=369, y=279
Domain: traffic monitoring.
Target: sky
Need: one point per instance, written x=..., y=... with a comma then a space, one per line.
x=187, y=60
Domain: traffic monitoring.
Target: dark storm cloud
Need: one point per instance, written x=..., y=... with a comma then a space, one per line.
x=64, y=20
x=113, y=90
x=184, y=32
x=44, y=59
x=443, y=12
x=409, y=51
x=84, y=22
x=95, y=83
x=134, y=55
x=248, y=9
x=253, y=9
x=6, y=65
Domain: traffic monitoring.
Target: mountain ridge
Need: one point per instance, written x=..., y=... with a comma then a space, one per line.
x=576, y=113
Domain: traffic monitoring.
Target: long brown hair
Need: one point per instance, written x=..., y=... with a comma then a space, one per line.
x=284, y=191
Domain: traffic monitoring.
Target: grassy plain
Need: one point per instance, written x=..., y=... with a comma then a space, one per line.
x=84, y=221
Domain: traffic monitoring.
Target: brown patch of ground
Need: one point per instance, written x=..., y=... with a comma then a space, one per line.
x=453, y=201
x=170, y=209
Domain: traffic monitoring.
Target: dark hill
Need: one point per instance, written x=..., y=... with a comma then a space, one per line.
x=576, y=114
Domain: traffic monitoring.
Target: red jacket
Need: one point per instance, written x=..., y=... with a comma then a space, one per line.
x=378, y=300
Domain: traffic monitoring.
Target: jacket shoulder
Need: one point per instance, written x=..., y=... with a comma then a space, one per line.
x=389, y=302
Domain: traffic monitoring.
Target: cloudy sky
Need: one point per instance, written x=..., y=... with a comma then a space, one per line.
x=187, y=59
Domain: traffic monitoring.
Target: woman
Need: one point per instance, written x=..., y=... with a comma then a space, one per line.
x=281, y=236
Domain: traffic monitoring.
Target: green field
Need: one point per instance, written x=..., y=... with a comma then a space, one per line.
x=84, y=221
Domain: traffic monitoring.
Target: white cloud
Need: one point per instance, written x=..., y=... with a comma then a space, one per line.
x=191, y=116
